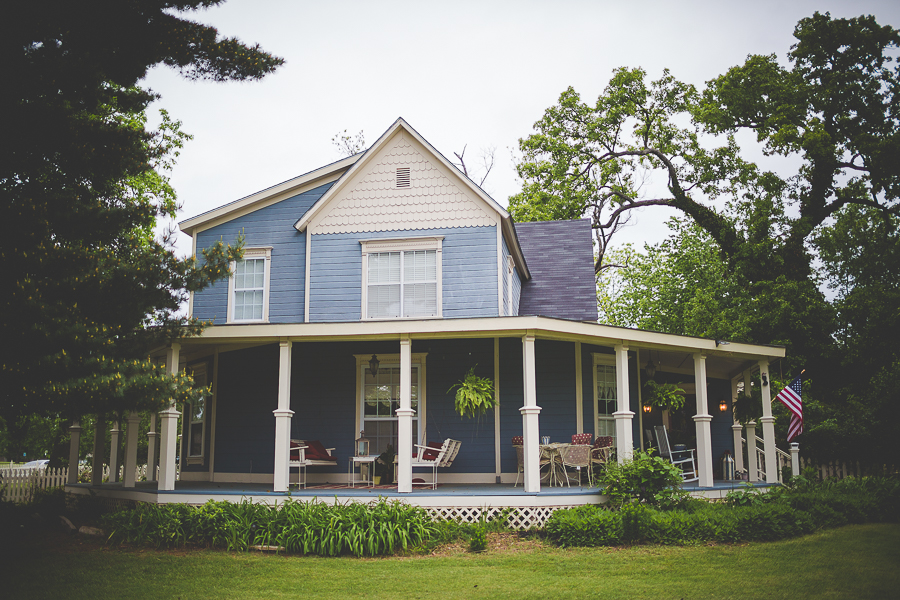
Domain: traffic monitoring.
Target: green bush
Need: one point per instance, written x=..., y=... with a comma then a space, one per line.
x=648, y=478
x=781, y=513
x=478, y=540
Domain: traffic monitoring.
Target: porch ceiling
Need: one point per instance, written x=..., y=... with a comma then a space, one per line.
x=672, y=352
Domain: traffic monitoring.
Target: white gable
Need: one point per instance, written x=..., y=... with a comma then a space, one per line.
x=372, y=200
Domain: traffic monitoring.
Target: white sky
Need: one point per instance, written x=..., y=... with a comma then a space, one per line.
x=461, y=72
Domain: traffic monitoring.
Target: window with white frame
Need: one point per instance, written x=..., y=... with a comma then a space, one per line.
x=380, y=399
x=606, y=395
x=195, y=416
x=248, y=288
x=402, y=278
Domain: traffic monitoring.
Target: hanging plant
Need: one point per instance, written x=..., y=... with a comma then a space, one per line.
x=474, y=395
x=749, y=408
x=666, y=396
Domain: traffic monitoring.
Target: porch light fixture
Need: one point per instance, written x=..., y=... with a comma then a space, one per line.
x=646, y=408
x=650, y=369
x=765, y=379
x=373, y=365
x=723, y=405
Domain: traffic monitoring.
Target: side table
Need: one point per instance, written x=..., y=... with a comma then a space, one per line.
x=366, y=470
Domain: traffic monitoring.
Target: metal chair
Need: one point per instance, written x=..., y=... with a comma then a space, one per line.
x=576, y=456
x=544, y=461
x=683, y=459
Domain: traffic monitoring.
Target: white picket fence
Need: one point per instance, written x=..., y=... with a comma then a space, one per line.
x=833, y=470
x=18, y=485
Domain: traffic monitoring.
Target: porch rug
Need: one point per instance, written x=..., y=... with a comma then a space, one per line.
x=339, y=486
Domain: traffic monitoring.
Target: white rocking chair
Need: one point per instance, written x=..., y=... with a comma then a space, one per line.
x=683, y=459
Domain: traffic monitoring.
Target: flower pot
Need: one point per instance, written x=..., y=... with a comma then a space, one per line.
x=377, y=479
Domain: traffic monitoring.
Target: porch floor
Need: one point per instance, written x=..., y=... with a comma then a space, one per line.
x=450, y=494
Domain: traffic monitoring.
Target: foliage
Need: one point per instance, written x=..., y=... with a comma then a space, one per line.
x=478, y=540
x=347, y=145
x=299, y=527
x=83, y=182
x=667, y=396
x=384, y=464
x=474, y=395
x=746, y=515
x=647, y=478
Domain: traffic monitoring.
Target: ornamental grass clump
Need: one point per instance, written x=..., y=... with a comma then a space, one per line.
x=317, y=528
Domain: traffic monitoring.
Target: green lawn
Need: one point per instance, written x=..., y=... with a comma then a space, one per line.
x=851, y=562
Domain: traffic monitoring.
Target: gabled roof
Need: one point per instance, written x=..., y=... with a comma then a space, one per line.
x=260, y=199
x=365, y=160
x=560, y=254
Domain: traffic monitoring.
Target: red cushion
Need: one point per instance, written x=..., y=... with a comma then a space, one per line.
x=517, y=441
x=317, y=451
x=603, y=441
x=434, y=448
x=582, y=438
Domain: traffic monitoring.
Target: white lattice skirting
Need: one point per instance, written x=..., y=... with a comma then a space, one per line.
x=519, y=518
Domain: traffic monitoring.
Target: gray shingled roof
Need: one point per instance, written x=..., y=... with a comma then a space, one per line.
x=560, y=256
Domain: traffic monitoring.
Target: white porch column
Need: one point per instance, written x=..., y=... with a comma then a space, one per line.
x=169, y=435
x=752, y=466
x=132, y=422
x=152, y=449
x=74, y=440
x=404, y=418
x=114, y=435
x=737, y=430
x=623, y=416
x=97, y=461
x=283, y=416
x=497, y=470
x=768, y=425
x=702, y=422
x=795, y=459
x=530, y=418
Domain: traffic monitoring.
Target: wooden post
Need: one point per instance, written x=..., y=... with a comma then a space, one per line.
x=404, y=418
x=530, y=417
x=768, y=424
x=169, y=435
x=132, y=423
x=74, y=441
x=97, y=462
x=702, y=422
x=623, y=416
x=283, y=416
x=115, y=432
x=498, y=474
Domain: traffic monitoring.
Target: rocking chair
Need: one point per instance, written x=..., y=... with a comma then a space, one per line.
x=683, y=459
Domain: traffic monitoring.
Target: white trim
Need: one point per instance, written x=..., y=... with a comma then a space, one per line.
x=191, y=294
x=609, y=360
x=196, y=459
x=267, y=197
x=401, y=245
x=212, y=414
x=307, y=277
x=497, y=470
x=264, y=252
x=579, y=391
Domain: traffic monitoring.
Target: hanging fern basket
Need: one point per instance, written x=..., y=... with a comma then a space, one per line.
x=474, y=395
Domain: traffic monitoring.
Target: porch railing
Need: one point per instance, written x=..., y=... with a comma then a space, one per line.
x=782, y=458
x=18, y=485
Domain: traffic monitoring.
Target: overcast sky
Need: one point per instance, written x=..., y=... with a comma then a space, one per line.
x=461, y=73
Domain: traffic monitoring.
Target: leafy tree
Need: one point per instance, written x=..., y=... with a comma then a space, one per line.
x=88, y=291
x=834, y=110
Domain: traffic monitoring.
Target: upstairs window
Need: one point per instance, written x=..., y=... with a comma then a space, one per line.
x=402, y=278
x=248, y=294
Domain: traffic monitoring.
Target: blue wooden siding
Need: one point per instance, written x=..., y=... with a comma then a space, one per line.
x=270, y=226
x=517, y=291
x=469, y=272
x=505, y=271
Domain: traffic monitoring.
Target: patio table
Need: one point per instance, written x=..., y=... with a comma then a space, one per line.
x=551, y=452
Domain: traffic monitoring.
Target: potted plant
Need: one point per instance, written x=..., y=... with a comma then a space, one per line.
x=474, y=395
x=384, y=466
x=666, y=396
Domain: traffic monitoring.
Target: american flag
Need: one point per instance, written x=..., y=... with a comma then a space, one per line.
x=790, y=397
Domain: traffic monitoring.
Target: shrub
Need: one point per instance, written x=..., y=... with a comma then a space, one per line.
x=648, y=478
x=478, y=540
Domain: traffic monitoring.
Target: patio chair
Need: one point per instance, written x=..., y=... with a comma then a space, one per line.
x=305, y=454
x=601, y=451
x=683, y=459
x=576, y=456
x=443, y=458
x=582, y=438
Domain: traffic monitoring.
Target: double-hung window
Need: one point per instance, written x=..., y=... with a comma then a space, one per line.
x=248, y=293
x=402, y=278
x=380, y=398
x=606, y=395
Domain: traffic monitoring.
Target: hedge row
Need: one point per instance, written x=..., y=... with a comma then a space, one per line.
x=748, y=516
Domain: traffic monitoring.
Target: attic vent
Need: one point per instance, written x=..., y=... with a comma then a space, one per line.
x=402, y=177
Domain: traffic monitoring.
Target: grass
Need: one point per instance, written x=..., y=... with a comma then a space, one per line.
x=858, y=561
